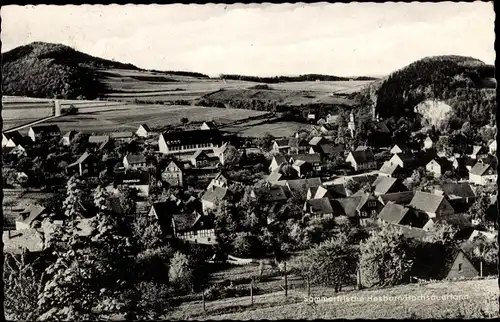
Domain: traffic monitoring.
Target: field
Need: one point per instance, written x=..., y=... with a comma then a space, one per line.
x=127, y=117
x=128, y=104
x=476, y=298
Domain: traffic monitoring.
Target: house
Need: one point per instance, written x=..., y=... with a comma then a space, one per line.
x=11, y=139
x=438, y=166
x=328, y=150
x=173, y=175
x=316, y=141
x=274, y=176
x=209, y=125
x=458, y=191
x=394, y=214
x=312, y=116
x=221, y=153
x=428, y=143
x=440, y=262
x=219, y=181
x=318, y=207
x=99, y=139
x=492, y=147
x=194, y=228
x=477, y=152
x=178, y=142
x=27, y=216
x=401, y=198
x=211, y=197
x=68, y=137
x=484, y=172
x=135, y=179
x=200, y=159
x=432, y=204
x=384, y=185
x=330, y=191
x=281, y=146
x=362, y=160
x=360, y=208
x=20, y=241
x=332, y=118
x=87, y=164
x=163, y=212
x=143, y=131
x=313, y=159
x=301, y=186
x=134, y=161
x=276, y=162
x=122, y=136
x=390, y=169
x=327, y=127
x=399, y=148
x=39, y=131
x=302, y=167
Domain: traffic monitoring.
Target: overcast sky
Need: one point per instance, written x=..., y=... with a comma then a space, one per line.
x=264, y=39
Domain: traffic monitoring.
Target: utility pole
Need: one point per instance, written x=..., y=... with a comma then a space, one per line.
x=286, y=281
x=203, y=301
x=251, y=292
x=308, y=286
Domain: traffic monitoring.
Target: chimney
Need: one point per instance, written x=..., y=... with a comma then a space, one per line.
x=57, y=108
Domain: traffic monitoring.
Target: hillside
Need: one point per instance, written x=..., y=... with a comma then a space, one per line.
x=453, y=299
x=466, y=84
x=48, y=70
x=300, y=78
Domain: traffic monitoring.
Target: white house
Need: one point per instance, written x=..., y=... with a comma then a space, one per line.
x=211, y=197
x=179, y=142
x=173, y=174
x=432, y=204
x=143, y=131
x=362, y=160
x=492, y=146
x=134, y=161
x=483, y=173
x=276, y=162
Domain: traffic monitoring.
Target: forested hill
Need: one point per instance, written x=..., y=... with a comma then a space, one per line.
x=300, y=78
x=53, y=70
x=465, y=83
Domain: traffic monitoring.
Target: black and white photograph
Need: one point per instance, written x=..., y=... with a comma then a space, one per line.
x=251, y=161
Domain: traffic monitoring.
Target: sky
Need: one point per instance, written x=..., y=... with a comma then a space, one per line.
x=354, y=39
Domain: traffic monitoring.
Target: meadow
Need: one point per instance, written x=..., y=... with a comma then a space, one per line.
x=447, y=299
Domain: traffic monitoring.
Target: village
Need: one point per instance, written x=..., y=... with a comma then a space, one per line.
x=181, y=177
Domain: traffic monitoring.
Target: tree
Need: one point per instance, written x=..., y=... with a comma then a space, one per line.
x=231, y=157
x=22, y=285
x=180, y=272
x=90, y=274
x=442, y=233
x=100, y=197
x=352, y=186
x=184, y=120
x=265, y=143
x=384, y=260
x=73, y=204
x=147, y=232
x=486, y=250
x=332, y=263
x=478, y=210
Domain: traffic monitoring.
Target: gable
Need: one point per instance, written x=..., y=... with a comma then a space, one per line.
x=462, y=266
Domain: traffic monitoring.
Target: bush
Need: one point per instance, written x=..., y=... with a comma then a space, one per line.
x=220, y=291
x=180, y=273
x=152, y=264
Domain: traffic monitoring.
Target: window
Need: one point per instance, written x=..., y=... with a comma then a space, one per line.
x=460, y=267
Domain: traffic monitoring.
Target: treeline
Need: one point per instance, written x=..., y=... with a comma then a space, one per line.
x=284, y=79
x=454, y=79
x=180, y=73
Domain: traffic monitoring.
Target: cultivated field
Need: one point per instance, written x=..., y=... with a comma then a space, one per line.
x=127, y=117
x=339, y=87
x=469, y=299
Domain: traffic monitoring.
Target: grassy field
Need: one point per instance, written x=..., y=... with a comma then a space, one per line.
x=127, y=117
x=469, y=299
x=339, y=87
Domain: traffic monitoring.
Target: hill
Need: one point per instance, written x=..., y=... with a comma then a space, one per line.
x=48, y=70
x=464, y=83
